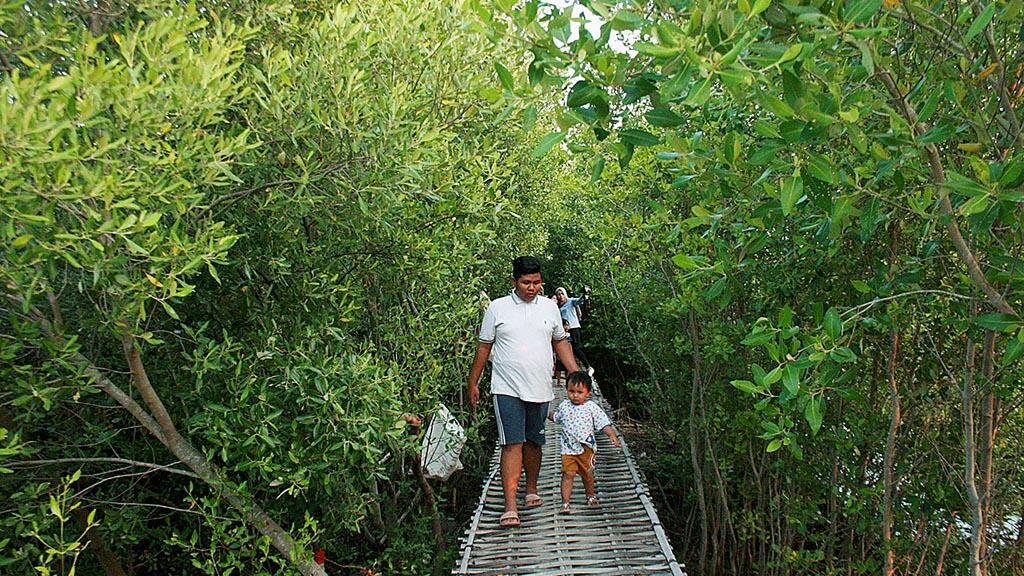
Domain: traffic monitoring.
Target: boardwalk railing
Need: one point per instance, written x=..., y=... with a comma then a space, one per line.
x=620, y=536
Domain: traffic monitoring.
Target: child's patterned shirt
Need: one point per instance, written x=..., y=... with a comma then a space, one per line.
x=579, y=421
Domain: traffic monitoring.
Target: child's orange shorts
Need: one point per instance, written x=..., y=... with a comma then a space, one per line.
x=581, y=463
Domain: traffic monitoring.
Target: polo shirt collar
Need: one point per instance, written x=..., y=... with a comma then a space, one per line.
x=517, y=300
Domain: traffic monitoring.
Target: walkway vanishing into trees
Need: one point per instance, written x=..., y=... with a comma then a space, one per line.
x=620, y=536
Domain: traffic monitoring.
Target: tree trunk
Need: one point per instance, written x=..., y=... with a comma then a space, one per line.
x=436, y=525
x=890, y=457
x=967, y=395
x=945, y=547
x=695, y=448
x=987, y=438
x=728, y=535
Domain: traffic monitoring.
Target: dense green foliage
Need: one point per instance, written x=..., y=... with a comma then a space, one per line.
x=820, y=202
x=287, y=215
x=241, y=240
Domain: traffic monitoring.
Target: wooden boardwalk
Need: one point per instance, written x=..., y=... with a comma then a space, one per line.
x=621, y=536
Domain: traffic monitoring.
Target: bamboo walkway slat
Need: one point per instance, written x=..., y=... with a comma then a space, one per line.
x=622, y=536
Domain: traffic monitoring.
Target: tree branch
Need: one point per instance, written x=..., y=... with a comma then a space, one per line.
x=164, y=467
x=145, y=388
x=1004, y=96
x=946, y=208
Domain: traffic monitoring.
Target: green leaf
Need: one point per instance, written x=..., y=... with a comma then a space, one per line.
x=998, y=322
x=975, y=205
x=759, y=373
x=213, y=271
x=597, y=169
x=867, y=59
x=715, y=289
x=684, y=262
x=170, y=311
x=744, y=386
x=581, y=94
x=133, y=247
x=791, y=379
x=1014, y=349
x=504, y=76
x=21, y=240
x=796, y=451
x=790, y=53
x=843, y=355
x=626, y=20
x=981, y=21
x=833, y=324
x=664, y=118
x=151, y=219
x=758, y=338
x=759, y=6
x=938, y=133
x=638, y=137
x=791, y=191
x=774, y=445
x=775, y=105
x=813, y=414
x=547, y=143
x=821, y=168
x=699, y=96
x=55, y=508
x=858, y=11
x=961, y=183
x=785, y=317
x=656, y=50
x=680, y=181
x=626, y=154
x=861, y=286
x=529, y=117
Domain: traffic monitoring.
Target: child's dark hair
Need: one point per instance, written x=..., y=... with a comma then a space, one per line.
x=580, y=377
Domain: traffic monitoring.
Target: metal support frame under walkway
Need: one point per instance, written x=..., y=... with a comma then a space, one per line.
x=621, y=536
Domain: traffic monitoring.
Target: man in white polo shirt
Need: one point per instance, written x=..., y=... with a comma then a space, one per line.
x=518, y=332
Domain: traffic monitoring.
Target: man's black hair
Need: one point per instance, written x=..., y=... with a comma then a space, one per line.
x=580, y=377
x=525, y=265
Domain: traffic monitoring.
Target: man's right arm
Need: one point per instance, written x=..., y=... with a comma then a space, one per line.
x=483, y=352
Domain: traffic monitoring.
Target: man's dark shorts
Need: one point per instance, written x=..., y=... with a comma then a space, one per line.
x=519, y=420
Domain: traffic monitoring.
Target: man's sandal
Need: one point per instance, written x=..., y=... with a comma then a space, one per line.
x=533, y=500
x=592, y=501
x=509, y=519
x=565, y=509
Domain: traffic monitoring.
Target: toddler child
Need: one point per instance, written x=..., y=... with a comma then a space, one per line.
x=580, y=418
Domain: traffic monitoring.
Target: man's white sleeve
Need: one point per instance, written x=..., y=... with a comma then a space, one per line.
x=487, y=330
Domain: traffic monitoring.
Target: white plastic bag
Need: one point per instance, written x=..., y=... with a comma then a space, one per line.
x=442, y=445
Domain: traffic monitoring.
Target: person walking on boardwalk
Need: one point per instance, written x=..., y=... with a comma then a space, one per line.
x=567, y=308
x=518, y=333
x=580, y=418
